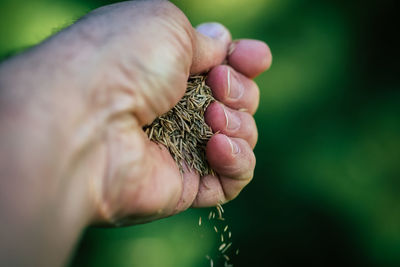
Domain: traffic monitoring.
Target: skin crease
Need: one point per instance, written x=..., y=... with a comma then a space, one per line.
x=73, y=152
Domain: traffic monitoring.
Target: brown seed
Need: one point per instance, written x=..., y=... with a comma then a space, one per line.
x=183, y=129
x=219, y=212
x=220, y=207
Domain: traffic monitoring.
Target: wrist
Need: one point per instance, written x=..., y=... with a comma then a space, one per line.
x=44, y=142
x=46, y=130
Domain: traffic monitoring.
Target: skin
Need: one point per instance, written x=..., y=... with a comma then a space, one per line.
x=73, y=152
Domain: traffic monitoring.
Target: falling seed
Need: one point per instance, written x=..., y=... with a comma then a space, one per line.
x=226, y=257
x=215, y=229
x=200, y=221
x=222, y=246
x=210, y=215
x=226, y=228
x=211, y=263
x=226, y=248
x=222, y=238
x=229, y=234
x=237, y=252
x=220, y=207
x=208, y=257
x=219, y=211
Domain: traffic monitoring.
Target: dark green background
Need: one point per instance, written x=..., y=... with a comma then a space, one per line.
x=327, y=182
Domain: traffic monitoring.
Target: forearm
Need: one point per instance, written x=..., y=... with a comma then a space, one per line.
x=44, y=201
x=40, y=222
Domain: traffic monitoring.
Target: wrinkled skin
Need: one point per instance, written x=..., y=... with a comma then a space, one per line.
x=72, y=111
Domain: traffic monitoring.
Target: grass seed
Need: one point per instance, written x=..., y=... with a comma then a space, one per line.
x=183, y=129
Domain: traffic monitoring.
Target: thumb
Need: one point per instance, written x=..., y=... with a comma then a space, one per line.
x=211, y=41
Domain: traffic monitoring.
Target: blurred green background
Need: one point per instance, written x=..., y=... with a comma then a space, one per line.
x=327, y=182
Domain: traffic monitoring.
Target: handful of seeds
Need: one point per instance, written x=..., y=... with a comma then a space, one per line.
x=183, y=129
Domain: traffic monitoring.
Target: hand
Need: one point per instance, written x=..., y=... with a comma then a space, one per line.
x=148, y=63
x=84, y=96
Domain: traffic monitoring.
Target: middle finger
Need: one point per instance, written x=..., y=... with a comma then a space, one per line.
x=233, y=89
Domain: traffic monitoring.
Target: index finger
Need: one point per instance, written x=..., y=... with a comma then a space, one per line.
x=250, y=57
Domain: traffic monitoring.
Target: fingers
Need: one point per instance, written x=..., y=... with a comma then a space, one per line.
x=234, y=161
x=233, y=89
x=232, y=123
x=250, y=57
x=230, y=157
x=229, y=152
x=210, y=45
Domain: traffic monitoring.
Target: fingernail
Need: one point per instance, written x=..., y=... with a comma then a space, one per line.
x=212, y=29
x=235, y=86
x=235, y=148
x=232, y=121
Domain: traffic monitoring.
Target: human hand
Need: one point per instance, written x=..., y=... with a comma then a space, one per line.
x=150, y=49
x=116, y=70
x=73, y=151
